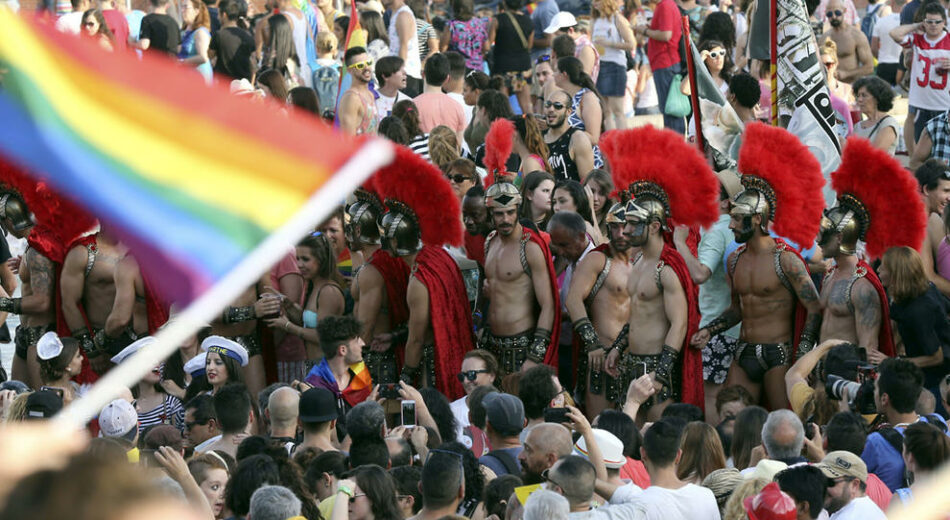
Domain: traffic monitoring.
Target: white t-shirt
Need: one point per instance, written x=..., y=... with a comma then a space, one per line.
x=690, y=502
x=928, y=89
x=460, y=411
x=460, y=99
x=384, y=104
x=890, y=51
x=860, y=509
x=413, y=63
x=70, y=23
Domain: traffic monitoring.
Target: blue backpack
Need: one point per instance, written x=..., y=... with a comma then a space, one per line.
x=870, y=20
x=326, y=82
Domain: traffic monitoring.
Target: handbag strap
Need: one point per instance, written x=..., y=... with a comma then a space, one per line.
x=879, y=121
x=514, y=21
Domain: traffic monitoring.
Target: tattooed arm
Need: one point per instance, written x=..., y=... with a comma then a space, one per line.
x=807, y=295
x=42, y=284
x=867, y=314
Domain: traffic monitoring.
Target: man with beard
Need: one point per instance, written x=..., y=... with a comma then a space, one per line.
x=847, y=499
x=570, y=153
x=544, y=445
x=772, y=294
x=35, y=304
x=599, y=304
x=477, y=227
x=854, y=52
x=358, y=105
x=663, y=309
x=520, y=290
x=423, y=215
x=878, y=204
x=378, y=289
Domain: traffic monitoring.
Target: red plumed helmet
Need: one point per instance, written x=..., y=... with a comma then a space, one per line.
x=882, y=195
x=774, y=160
x=497, y=148
x=770, y=504
x=418, y=184
x=648, y=155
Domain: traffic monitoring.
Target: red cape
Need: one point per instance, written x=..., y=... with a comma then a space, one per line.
x=449, y=313
x=475, y=247
x=156, y=309
x=395, y=275
x=885, y=339
x=551, y=357
x=692, y=376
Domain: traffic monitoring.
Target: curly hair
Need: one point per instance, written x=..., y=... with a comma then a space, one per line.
x=335, y=331
x=882, y=93
x=443, y=146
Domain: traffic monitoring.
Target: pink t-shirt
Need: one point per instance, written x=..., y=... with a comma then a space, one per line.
x=292, y=347
x=437, y=109
x=119, y=27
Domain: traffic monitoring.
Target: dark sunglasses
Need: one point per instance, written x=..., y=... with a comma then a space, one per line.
x=543, y=59
x=546, y=477
x=835, y=13
x=555, y=104
x=458, y=178
x=470, y=374
x=89, y=24
x=829, y=64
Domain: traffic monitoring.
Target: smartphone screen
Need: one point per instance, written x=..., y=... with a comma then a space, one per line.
x=408, y=413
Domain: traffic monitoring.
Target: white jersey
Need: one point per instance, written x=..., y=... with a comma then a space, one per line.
x=929, y=88
x=413, y=63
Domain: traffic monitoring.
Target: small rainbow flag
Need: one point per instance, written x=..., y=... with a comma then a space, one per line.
x=192, y=178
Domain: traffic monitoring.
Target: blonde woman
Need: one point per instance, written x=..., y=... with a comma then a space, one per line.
x=443, y=146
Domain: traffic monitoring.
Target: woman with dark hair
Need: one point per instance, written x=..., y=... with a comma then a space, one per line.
x=324, y=295
x=587, y=111
x=273, y=84
x=196, y=37
x=716, y=58
x=529, y=144
x=323, y=473
x=425, y=32
x=60, y=361
x=369, y=494
x=392, y=128
x=406, y=111
x=570, y=196
x=747, y=434
x=377, y=37
x=474, y=478
x=94, y=26
x=719, y=27
x=920, y=312
x=153, y=404
x=491, y=105
x=512, y=38
x=536, y=192
x=250, y=474
x=875, y=98
x=340, y=26
x=441, y=412
x=304, y=98
x=467, y=34
x=177, y=379
x=473, y=85
x=281, y=55
x=220, y=369
x=926, y=448
x=599, y=185
x=497, y=493
x=702, y=453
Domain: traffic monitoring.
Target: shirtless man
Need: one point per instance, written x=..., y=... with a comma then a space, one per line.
x=768, y=280
x=523, y=308
x=933, y=178
x=658, y=311
x=357, y=104
x=599, y=304
x=129, y=312
x=238, y=322
x=383, y=315
x=35, y=305
x=854, y=52
x=88, y=292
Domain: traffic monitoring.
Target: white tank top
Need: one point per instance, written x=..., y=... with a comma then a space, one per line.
x=606, y=29
x=413, y=63
x=300, y=45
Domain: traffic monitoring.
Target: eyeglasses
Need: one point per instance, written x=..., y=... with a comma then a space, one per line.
x=470, y=374
x=834, y=14
x=458, y=178
x=192, y=424
x=717, y=54
x=360, y=65
x=546, y=477
x=542, y=59
x=354, y=497
x=933, y=22
x=555, y=104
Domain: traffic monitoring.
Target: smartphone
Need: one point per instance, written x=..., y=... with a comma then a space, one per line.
x=810, y=430
x=57, y=391
x=389, y=390
x=408, y=413
x=556, y=415
x=639, y=369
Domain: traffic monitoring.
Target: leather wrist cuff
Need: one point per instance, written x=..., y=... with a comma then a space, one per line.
x=409, y=374
x=11, y=305
x=664, y=365
x=539, y=345
x=238, y=315
x=585, y=331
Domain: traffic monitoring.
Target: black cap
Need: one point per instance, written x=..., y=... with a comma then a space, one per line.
x=43, y=404
x=317, y=405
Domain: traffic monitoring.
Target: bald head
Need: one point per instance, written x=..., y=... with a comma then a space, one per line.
x=283, y=407
x=551, y=438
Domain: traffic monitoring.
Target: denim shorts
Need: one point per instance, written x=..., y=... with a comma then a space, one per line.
x=612, y=79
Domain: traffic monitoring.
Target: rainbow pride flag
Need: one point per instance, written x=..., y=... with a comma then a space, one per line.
x=191, y=177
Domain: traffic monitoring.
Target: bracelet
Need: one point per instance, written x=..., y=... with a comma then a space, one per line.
x=345, y=490
x=238, y=314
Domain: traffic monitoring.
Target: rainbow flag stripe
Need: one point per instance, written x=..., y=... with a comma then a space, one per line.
x=193, y=175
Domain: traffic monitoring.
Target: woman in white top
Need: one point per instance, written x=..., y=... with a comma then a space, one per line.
x=875, y=98
x=613, y=39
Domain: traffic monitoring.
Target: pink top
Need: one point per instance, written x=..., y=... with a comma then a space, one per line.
x=119, y=26
x=292, y=347
x=436, y=108
x=943, y=258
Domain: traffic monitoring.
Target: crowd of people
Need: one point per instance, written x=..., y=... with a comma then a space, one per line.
x=535, y=312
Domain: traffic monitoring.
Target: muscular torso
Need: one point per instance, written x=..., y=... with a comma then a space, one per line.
x=99, y=286
x=364, y=282
x=231, y=330
x=767, y=306
x=610, y=308
x=513, y=307
x=648, y=321
x=838, y=322
x=847, y=47
x=38, y=267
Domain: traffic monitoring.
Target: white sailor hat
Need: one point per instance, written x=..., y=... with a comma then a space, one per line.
x=196, y=365
x=134, y=347
x=49, y=346
x=225, y=347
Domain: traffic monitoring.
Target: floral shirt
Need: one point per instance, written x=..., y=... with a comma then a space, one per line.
x=469, y=38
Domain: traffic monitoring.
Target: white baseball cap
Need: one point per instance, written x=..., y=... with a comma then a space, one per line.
x=118, y=419
x=562, y=20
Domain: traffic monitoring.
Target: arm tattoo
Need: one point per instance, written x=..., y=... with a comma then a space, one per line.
x=867, y=308
x=41, y=273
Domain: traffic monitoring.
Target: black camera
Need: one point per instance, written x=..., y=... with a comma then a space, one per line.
x=861, y=395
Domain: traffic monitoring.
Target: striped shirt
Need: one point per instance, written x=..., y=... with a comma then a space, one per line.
x=169, y=412
x=420, y=145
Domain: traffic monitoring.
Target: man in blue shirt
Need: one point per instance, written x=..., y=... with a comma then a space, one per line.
x=541, y=17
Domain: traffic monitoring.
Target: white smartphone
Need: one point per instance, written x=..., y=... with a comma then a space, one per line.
x=408, y=413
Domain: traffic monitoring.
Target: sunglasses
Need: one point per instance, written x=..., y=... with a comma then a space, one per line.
x=354, y=497
x=458, y=178
x=543, y=59
x=546, y=477
x=716, y=54
x=89, y=24
x=829, y=64
x=833, y=14
x=360, y=65
x=555, y=104
x=470, y=375
x=933, y=22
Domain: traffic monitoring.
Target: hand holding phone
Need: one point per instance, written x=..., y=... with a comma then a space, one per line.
x=556, y=415
x=408, y=413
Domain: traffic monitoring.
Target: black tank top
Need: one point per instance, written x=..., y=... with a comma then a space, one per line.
x=559, y=157
x=510, y=55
